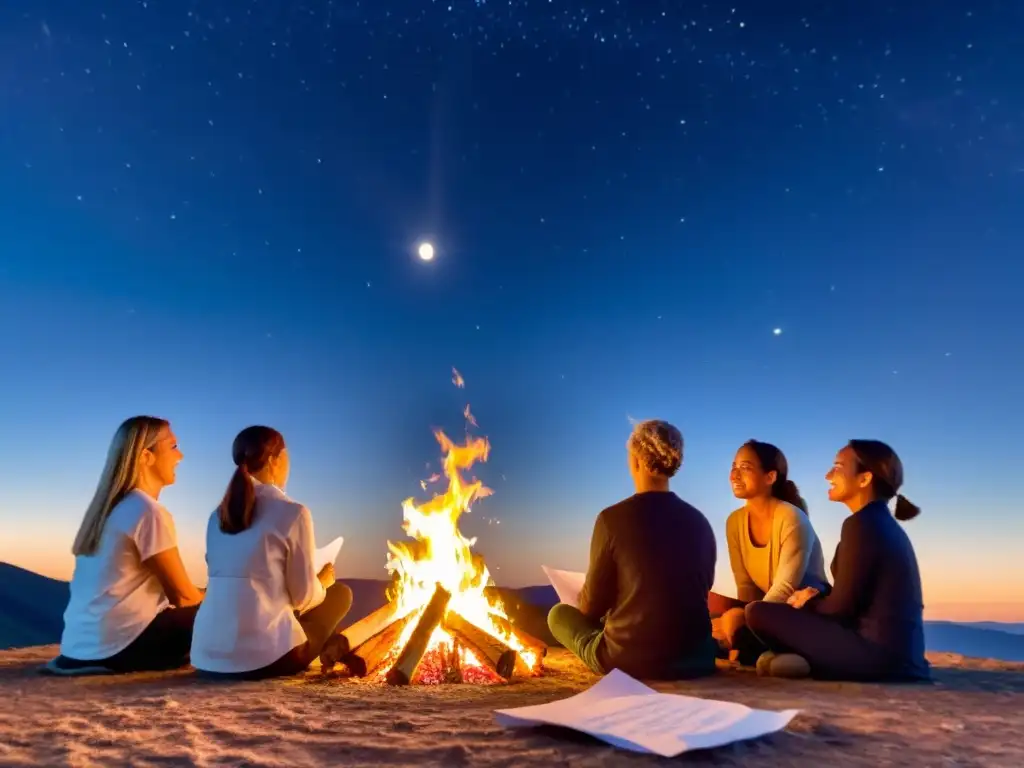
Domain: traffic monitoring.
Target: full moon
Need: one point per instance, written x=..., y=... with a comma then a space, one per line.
x=426, y=251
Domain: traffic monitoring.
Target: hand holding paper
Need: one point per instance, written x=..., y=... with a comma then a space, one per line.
x=567, y=584
x=327, y=554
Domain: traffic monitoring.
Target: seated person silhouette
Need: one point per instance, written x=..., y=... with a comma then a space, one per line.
x=871, y=625
x=132, y=604
x=643, y=608
x=773, y=549
x=267, y=612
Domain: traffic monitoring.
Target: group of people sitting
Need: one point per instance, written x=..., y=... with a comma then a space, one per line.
x=646, y=607
x=266, y=610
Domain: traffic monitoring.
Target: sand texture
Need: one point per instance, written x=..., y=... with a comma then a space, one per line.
x=972, y=715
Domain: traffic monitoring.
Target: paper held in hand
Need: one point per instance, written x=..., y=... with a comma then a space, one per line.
x=327, y=554
x=626, y=713
x=567, y=584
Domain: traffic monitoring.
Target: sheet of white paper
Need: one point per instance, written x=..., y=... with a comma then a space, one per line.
x=626, y=713
x=327, y=554
x=567, y=584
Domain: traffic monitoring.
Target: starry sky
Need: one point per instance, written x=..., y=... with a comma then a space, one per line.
x=799, y=222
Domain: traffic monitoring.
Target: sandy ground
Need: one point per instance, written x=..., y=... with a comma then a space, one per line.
x=973, y=715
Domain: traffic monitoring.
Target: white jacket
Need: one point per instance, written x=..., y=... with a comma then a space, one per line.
x=259, y=579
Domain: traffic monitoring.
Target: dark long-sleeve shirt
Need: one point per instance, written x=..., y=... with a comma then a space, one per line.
x=652, y=564
x=877, y=587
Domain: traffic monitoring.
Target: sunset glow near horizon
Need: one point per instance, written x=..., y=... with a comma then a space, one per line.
x=800, y=226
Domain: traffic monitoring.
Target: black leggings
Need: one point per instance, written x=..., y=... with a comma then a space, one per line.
x=833, y=651
x=319, y=624
x=163, y=645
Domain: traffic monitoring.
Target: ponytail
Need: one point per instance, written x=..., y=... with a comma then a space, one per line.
x=236, y=509
x=788, y=492
x=252, y=449
x=905, y=510
x=886, y=470
x=772, y=459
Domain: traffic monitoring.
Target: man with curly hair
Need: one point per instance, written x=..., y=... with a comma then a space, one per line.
x=644, y=606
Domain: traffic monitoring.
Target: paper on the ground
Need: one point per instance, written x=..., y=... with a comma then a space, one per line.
x=626, y=713
x=327, y=554
x=567, y=584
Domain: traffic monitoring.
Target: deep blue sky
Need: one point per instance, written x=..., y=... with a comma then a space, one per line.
x=209, y=212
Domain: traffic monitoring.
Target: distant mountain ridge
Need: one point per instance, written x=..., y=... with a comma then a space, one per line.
x=1013, y=628
x=32, y=608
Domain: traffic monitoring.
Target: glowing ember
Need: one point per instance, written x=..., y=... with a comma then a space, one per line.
x=440, y=554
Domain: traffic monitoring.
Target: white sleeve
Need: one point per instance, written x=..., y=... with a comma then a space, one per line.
x=154, y=533
x=304, y=587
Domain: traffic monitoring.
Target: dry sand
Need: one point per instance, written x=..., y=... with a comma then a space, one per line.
x=973, y=715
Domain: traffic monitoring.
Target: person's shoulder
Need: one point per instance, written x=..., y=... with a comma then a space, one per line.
x=285, y=517
x=294, y=512
x=613, y=511
x=277, y=513
x=620, y=513
x=684, y=513
x=273, y=498
x=735, y=517
x=860, y=524
x=682, y=504
x=136, y=505
x=791, y=516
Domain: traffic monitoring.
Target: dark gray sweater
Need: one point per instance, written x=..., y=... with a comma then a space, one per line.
x=877, y=588
x=652, y=564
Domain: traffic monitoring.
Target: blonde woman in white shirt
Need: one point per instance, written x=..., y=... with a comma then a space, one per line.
x=267, y=611
x=132, y=604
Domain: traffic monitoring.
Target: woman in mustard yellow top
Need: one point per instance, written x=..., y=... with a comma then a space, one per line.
x=773, y=549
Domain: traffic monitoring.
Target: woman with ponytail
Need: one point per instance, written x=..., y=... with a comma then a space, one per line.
x=871, y=625
x=773, y=549
x=267, y=611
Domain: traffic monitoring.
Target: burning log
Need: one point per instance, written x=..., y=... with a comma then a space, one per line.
x=489, y=650
x=339, y=648
x=535, y=646
x=453, y=663
x=402, y=671
x=375, y=651
x=371, y=625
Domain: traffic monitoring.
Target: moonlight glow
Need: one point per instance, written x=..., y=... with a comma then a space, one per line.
x=425, y=251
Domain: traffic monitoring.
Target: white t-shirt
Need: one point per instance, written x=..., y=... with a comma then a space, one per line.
x=259, y=578
x=113, y=596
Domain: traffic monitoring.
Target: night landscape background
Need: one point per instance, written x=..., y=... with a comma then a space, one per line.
x=799, y=222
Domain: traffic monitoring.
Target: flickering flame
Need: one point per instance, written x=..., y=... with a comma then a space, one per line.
x=440, y=554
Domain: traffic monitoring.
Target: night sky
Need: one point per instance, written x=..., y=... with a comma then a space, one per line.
x=801, y=222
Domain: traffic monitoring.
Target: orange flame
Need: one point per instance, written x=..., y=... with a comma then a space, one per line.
x=440, y=554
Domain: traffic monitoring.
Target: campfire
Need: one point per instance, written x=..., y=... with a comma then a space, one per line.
x=441, y=623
